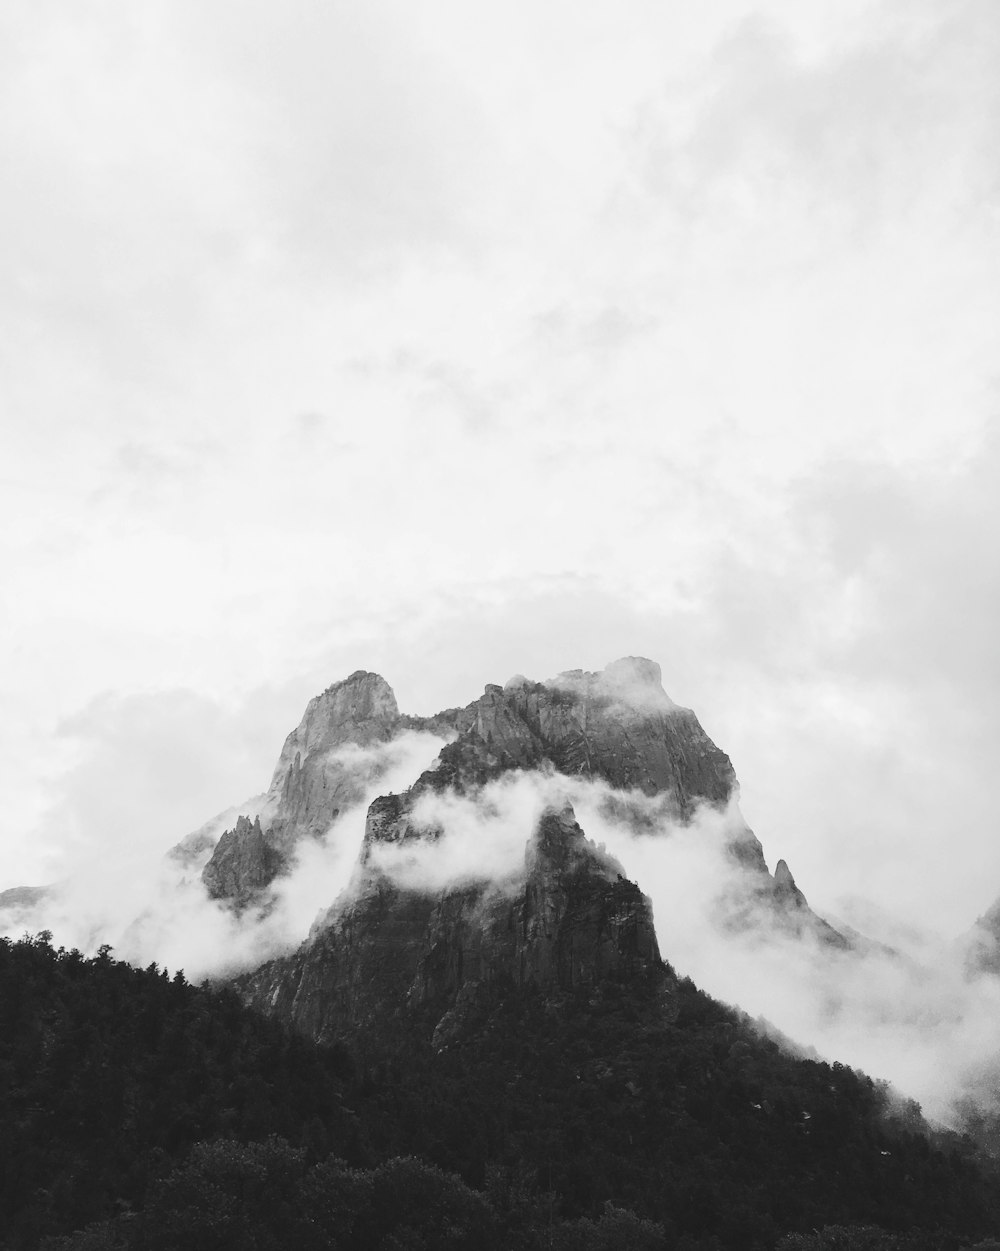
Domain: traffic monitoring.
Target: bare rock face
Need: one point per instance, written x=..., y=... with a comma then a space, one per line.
x=311, y=776
x=324, y=767
x=617, y=725
x=243, y=863
x=571, y=920
x=763, y=907
x=785, y=889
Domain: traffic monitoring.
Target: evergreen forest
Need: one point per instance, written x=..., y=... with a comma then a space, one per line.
x=138, y=1111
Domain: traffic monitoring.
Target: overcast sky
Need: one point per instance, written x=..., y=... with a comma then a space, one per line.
x=458, y=339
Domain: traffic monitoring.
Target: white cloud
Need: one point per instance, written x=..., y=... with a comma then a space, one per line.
x=148, y=906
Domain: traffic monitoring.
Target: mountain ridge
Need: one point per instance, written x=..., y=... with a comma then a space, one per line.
x=389, y=947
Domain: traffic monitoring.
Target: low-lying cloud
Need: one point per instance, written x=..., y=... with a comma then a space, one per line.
x=464, y=839
x=153, y=907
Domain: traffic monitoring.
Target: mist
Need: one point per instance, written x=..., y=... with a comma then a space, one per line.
x=148, y=906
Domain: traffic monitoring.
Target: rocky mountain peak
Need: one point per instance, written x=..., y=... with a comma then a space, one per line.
x=616, y=727
x=783, y=879
x=242, y=864
x=326, y=764
x=360, y=709
x=787, y=895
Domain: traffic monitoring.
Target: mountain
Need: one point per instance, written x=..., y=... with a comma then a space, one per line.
x=564, y=917
x=558, y=912
x=499, y=1052
x=619, y=726
x=320, y=772
x=616, y=729
x=571, y=921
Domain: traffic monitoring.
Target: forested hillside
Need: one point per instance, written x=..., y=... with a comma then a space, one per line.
x=151, y=1113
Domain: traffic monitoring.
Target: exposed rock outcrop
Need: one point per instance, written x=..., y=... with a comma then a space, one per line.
x=761, y=907
x=570, y=920
x=794, y=915
x=314, y=775
x=243, y=863
x=785, y=889
x=569, y=915
x=327, y=764
x=617, y=725
x=384, y=945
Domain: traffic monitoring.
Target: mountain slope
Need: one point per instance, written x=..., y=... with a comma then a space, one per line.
x=390, y=954
x=135, y=1100
x=618, y=726
x=394, y=946
x=507, y=1018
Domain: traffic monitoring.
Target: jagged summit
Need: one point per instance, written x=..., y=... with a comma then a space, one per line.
x=785, y=884
x=404, y=936
x=243, y=864
x=394, y=946
x=323, y=768
x=617, y=725
x=360, y=709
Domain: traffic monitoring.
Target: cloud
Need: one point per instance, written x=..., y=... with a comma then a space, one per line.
x=142, y=770
x=846, y=135
x=361, y=145
x=117, y=886
x=463, y=840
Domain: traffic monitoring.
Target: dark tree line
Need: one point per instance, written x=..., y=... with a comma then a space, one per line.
x=138, y=1111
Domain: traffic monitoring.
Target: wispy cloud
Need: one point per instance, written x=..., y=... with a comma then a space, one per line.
x=124, y=891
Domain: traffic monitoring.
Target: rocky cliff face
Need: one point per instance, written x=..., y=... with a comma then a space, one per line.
x=388, y=952
x=243, y=863
x=325, y=766
x=617, y=725
x=775, y=905
x=570, y=920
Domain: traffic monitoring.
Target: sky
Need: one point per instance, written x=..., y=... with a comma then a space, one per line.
x=454, y=341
